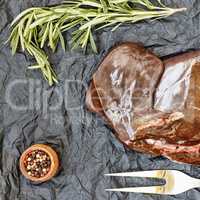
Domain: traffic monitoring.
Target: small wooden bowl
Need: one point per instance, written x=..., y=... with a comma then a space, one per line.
x=54, y=162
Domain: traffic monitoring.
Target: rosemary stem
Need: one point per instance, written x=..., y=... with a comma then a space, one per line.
x=173, y=11
x=37, y=26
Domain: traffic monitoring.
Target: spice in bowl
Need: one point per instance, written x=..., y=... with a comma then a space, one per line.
x=39, y=163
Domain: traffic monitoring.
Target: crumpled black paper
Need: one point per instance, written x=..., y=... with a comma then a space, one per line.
x=87, y=147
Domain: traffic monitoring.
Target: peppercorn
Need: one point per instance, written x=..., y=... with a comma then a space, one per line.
x=37, y=163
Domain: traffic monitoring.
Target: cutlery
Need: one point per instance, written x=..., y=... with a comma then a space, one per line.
x=176, y=182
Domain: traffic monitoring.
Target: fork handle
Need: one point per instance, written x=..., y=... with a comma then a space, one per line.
x=195, y=183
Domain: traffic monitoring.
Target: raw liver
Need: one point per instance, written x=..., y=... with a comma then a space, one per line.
x=152, y=108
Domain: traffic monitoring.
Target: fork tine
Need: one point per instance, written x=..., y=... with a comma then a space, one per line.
x=145, y=190
x=145, y=174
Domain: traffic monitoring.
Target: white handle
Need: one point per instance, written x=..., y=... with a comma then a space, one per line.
x=195, y=183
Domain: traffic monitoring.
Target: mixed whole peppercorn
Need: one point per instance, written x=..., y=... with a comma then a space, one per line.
x=37, y=163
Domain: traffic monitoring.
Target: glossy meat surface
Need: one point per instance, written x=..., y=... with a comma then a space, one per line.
x=125, y=83
x=164, y=122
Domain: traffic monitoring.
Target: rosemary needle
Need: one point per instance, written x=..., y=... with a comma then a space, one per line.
x=35, y=27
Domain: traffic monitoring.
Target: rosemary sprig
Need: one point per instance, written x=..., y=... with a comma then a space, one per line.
x=35, y=27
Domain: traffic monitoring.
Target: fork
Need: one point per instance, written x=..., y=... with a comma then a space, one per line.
x=176, y=182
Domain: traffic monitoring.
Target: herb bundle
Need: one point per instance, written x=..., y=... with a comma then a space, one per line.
x=35, y=27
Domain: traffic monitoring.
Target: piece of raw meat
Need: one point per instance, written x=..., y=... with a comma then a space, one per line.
x=164, y=122
x=125, y=82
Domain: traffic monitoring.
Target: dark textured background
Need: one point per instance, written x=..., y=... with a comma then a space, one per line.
x=86, y=146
